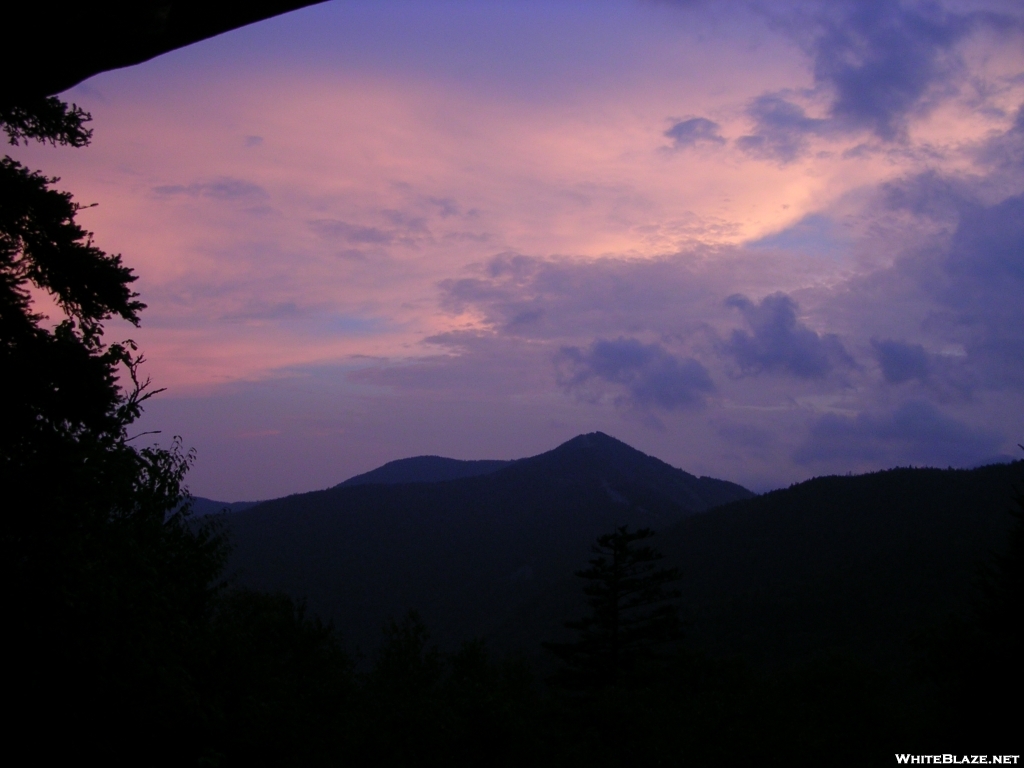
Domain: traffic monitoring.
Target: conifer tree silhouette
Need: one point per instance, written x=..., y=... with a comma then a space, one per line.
x=632, y=616
x=105, y=579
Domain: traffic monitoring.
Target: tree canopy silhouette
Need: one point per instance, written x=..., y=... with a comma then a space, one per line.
x=632, y=614
x=106, y=580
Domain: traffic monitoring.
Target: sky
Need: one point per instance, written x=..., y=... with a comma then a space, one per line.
x=762, y=241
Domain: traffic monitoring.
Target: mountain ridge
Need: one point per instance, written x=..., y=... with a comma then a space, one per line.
x=425, y=469
x=861, y=566
x=456, y=549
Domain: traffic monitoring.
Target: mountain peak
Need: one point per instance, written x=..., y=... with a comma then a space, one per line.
x=589, y=439
x=598, y=444
x=450, y=537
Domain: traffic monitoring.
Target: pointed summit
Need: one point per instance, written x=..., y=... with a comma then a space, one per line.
x=605, y=447
x=597, y=460
x=464, y=551
x=596, y=441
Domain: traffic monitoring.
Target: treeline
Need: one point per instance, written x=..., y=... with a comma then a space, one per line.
x=271, y=686
x=644, y=698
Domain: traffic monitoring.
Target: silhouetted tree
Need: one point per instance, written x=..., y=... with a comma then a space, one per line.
x=107, y=583
x=632, y=614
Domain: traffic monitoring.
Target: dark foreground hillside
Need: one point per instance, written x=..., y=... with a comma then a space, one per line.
x=464, y=553
x=855, y=565
x=848, y=564
x=834, y=622
x=862, y=566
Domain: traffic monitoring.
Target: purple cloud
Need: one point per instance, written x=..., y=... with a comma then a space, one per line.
x=880, y=59
x=352, y=233
x=696, y=130
x=781, y=128
x=219, y=189
x=878, y=63
x=647, y=375
x=779, y=342
x=916, y=431
x=973, y=273
x=901, y=361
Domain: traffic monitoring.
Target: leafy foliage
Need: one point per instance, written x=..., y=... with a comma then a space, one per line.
x=108, y=582
x=66, y=389
x=46, y=119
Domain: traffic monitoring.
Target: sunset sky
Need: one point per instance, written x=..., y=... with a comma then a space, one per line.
x=760, y=240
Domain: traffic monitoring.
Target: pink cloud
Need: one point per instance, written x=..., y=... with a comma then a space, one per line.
x=329, y=192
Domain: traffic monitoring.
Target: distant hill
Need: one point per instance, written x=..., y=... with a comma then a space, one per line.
x=418, y=469
x=463, y=552
x=862, y=566
x=425, y=469
x=853, y=565
x=202, y=506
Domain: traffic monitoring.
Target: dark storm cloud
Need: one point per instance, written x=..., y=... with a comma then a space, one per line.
x=645, y=375
x=877, y=62
x=916, y=431
x=696, y=130
x=974, y=275
x=929, y=194
x=218, y=189
x=987, y=251
x=779, y=342
x=781, y=128
x=901, y=361
x=881, y=59
x=985, y=282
